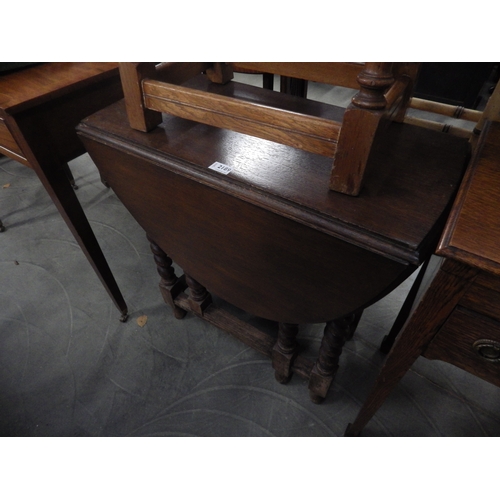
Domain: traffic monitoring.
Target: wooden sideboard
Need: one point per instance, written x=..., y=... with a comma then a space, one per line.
x=457, y=319
x=40, y=107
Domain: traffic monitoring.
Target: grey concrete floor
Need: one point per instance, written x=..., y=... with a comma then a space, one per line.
x=69, y=367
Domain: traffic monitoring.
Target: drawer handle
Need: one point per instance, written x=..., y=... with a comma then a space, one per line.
x=489, y=350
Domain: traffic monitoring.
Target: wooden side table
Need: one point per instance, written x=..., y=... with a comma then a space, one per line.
x=40, y=107
x=254, y=222
x=458, y=318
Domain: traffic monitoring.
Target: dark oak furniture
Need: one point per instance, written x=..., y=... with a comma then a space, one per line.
x=40, y=107
x=253, y=222
x=457, y=319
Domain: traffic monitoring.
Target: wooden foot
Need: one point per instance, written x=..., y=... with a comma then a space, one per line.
x=170, y=285
x=199, y=298
x=284, y=352
x=334, y=337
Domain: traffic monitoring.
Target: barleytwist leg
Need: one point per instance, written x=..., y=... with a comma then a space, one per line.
x=284, y=352
x=170, y=285
x=334, y=337
x=199, y=298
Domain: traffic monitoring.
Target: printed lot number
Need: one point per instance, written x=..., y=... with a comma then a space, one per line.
x=221, y=168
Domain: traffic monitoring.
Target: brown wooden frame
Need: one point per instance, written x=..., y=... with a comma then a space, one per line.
x=384, y=92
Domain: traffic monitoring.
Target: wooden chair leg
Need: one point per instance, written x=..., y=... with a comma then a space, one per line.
x=334, y=337
x=66, y=201
x=199, y=298
x=293, y=86
x=268, y=81
x=284, y=352
x=170, y=285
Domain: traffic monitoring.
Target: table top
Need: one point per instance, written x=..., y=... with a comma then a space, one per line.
x=34, y=85
x=412, y=176
x=472, y=234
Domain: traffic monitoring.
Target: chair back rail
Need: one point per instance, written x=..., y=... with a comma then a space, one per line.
x=309, y=133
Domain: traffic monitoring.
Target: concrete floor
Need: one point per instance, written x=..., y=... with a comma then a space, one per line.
x=69, y=367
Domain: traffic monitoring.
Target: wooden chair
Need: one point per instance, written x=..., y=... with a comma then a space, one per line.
x=384, y=93
x=271, y=237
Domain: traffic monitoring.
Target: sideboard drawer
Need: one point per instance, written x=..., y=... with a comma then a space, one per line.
x=483, y=297
x=471, y=342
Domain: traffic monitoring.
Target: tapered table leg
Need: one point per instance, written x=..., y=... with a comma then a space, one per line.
x=64, y=197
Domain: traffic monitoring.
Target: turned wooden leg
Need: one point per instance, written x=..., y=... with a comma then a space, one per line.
x=170, y=285
x=284, y=352
x=334, y=337
x=199, y=298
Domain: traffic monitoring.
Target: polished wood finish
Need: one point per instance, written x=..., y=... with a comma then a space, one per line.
x=473, y=231
x=40, y=107
x=385, y=90
x=270, y=237
x=458, y=317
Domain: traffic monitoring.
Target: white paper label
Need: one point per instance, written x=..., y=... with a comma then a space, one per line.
x=221, y=168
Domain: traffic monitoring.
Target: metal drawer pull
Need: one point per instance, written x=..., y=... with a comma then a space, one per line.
x=489, y=350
